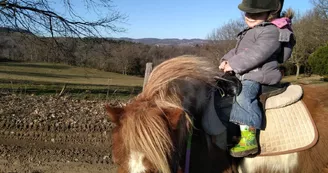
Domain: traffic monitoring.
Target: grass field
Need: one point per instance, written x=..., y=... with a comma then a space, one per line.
x=313, y=79
x=45, y=78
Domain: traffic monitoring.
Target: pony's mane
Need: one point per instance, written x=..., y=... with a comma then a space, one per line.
x=150, y=132
x=186, y=67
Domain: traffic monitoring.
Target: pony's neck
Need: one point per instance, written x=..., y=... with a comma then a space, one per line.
x=179, y=138
x=194, y=95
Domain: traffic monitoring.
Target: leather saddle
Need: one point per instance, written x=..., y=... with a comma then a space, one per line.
x=229, y=86
x=215, y=120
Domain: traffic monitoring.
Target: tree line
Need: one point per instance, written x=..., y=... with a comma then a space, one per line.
x=104, y=54
x=39, y=34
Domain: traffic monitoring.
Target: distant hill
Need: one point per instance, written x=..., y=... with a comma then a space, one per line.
x=165, y=42
x=148, y=41
x=12, y=30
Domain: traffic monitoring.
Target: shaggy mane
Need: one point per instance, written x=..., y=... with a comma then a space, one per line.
x=146, y=130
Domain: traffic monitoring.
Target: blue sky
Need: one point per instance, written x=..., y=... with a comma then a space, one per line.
x=181, y=18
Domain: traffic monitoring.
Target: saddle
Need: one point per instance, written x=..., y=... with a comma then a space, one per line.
x=270, y=91
x=288, y=126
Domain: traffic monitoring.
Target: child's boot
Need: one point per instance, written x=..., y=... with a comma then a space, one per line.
x=247, y=144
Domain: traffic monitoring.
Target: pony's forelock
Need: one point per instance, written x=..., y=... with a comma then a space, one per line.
x=146, y=131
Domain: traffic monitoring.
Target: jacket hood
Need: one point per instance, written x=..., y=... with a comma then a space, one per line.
x=284, y=22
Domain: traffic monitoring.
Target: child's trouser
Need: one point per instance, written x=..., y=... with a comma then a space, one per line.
x=246, y=109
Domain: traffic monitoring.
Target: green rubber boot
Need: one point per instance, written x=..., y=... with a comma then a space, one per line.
x=247, y=144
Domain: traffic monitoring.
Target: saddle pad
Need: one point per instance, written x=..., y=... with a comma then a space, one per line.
x=292, y=94
x=288, y=129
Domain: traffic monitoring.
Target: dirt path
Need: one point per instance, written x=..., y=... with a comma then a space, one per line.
x=47, y=134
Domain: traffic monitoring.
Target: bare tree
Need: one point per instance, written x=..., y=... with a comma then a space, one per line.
x=228, y=31
x=38, y=17
x=322, y=7
x=223, y=38
x=124, y=55
x=311, y=32
x=321, y=10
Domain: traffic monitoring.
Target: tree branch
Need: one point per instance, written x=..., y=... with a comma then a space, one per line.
x=37, y=17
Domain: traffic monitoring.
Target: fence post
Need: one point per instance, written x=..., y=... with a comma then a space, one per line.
x=149, y=68
x=62, y=91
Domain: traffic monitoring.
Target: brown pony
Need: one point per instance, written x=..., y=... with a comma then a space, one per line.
x=151, y=131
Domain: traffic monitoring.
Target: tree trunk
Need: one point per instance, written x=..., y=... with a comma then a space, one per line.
x=125, y=70
x=298, y=68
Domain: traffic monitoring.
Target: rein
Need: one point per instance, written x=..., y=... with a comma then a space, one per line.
x=188, y=152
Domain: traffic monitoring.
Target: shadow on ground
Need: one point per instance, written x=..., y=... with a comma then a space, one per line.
x=16, y=64
x=41, y=74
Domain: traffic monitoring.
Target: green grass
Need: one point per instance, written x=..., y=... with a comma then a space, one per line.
x=45, y=78
x=313, y=79
x=58, y=73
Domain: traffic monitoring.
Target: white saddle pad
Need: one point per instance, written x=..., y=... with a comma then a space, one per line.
x=288, y=129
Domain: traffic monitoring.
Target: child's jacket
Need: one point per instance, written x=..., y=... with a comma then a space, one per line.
x=256, y=54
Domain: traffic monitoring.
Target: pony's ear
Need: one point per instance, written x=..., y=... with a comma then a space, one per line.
x=114, y=113
x=173, y=115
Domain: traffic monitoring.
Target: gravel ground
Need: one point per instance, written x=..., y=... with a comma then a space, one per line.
x=54, y=134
